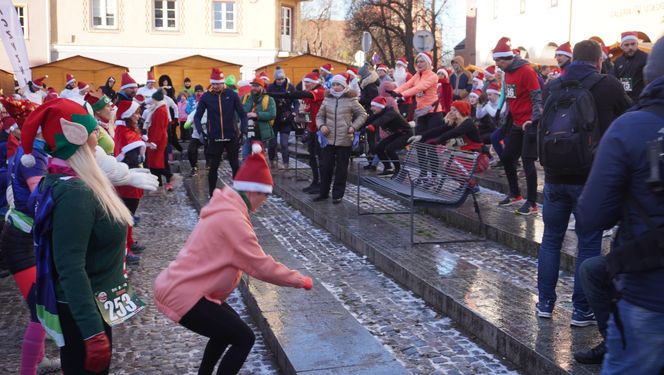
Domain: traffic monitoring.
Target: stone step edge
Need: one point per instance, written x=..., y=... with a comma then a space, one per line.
x=502, y=342
x=269, y=335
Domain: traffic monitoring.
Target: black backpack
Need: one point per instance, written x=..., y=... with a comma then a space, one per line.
x=565, y=134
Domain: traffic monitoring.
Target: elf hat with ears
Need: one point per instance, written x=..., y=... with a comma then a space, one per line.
x=65, y=126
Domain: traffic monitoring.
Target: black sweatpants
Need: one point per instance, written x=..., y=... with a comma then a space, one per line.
x=313, y=147
x=334, y=160
x=224, y=327
x=524, y=146
x=431, y=123
x=173, y=135
x=388, y=147
x=192, y=151
x=72, y=355
x=215, y=150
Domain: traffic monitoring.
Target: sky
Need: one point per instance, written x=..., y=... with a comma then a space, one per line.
x=453, y=19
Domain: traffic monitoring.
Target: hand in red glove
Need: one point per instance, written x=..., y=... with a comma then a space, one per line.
x=308, y=283
x=371, y=128
x=97, y=353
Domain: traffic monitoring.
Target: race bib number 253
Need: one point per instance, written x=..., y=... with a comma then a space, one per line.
x=118, y=304
x=510, y=91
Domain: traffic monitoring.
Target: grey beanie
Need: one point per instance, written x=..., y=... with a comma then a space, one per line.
x=655, y=66
x=279, y=73
x=364, y=71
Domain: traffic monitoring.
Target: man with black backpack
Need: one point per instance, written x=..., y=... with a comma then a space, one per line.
x=626, y=186
x=579, y=107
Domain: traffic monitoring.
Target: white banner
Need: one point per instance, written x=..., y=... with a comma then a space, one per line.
x=12, y=38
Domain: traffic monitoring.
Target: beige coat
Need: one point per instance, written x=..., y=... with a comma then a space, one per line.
x=340, y=114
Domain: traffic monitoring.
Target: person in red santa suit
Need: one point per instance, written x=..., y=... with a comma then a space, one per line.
x=156, y=123
x=444, y=90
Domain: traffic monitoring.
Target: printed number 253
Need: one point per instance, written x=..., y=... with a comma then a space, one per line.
x=120, y=306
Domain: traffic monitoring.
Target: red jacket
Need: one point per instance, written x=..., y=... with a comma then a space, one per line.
x=127, y=139
x=158, y=134
x=313, y=105
x=445, y=94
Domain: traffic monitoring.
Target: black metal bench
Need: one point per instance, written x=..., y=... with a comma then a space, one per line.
x=430, y=175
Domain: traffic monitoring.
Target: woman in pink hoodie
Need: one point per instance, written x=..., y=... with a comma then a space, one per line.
x=191, y=291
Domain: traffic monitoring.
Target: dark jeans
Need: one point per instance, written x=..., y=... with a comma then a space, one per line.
x=283, y=145
x=388, y=147
x=428, y=126
x=173, y=136
x=496, y=137
x=224, y=327
x=185, y=134
x=597, y=287
x=518, y=145
x=314, y=155
x=334, y=159
x=215, y=150
x=192, y=151
x=72, y=355
x=559, y=203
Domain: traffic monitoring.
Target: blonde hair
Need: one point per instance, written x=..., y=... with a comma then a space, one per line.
x=83, y=162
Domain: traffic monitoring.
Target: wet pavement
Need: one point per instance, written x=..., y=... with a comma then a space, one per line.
x=149, y=343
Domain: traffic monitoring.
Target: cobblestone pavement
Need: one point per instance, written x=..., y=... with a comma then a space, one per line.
x=426, y=342
x=149, y=343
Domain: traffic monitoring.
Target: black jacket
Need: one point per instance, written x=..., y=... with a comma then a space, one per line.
x=389, y=120
x=631, y=68
x=369, y=90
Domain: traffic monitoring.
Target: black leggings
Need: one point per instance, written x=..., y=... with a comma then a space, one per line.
x=388, y=147
x=518, y=145
x=215, y=150
x=173, y=135
x=224, y=327
x=192, y=151
x=166, y=171
x=314, y=154
x=72, y=355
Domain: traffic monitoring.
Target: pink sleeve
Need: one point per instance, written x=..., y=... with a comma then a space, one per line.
x=250, y=257
x=423, y=84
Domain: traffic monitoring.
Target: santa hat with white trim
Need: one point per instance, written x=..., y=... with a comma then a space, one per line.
x=379, y=102
x=217, y=76
x=402, y=61
x=312, y=77
x=490, y=71
x=443, y=71
x=69, y=78
x=126, y=108
x=494, y=88
x=426, y=56
x=352, y=72
x=564, y=49
x=327, y=68
x=127, y=82
x=263, y=75
x=475, y=93
x=629, y=36
x=150, y=78
x=254, y=174
x=39, y=82
x=382, y=67
x=479, y=78
x=503, y=48
x=82, y=85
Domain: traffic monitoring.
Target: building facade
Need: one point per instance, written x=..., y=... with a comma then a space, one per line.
x=141, y=33
x=537, y=27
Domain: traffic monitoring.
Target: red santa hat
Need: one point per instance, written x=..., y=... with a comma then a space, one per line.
x=402, y=61
x=426, y=56
x=312, y=77
x=503, y=48
x=629, y=35
x=150, y=78
x=379, y=102
x=475, y=93
x=382, y=67
x=263, y=75
x=254, y=174
x=343, y=79
x=65, y=126
x=126, y=108
x=327, y=68
x=564, y=49
x=140, y=99
x=479, y=78
x=127, y=82
x=490, y=71
x=39, y=82
x=352, y=72
x=494, y=88
x=82, y=85
x=443, y=71
x=217, y=76
x=69, y=78
x=516, y=52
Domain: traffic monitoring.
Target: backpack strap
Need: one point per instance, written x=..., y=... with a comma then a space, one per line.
x=591, y=80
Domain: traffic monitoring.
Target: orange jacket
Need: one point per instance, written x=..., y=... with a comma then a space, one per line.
x=423, y=86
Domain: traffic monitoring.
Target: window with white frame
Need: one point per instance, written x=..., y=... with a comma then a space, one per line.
x=223, y=16
x=104, y=14
x=165, y=15
x=22, y=14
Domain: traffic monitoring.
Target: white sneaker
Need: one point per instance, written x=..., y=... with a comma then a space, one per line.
x=47, y=366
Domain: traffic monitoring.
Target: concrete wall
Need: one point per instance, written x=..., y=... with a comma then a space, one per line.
x=543, y=23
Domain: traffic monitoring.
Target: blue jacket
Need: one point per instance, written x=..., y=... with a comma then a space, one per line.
x=226, y=102
x=619, y=174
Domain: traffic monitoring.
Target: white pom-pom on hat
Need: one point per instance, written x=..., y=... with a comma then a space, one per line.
x=28, y=160
x=256, y=148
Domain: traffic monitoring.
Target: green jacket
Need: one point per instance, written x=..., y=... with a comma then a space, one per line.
x=88, y=251
x=266, y=116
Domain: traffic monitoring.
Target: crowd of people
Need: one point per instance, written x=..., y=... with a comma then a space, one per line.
x=75, y=166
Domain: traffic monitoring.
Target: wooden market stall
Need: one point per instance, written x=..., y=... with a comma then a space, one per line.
x=298, y=66
x=6, y=82
x=91, y=71
x=196, y=67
